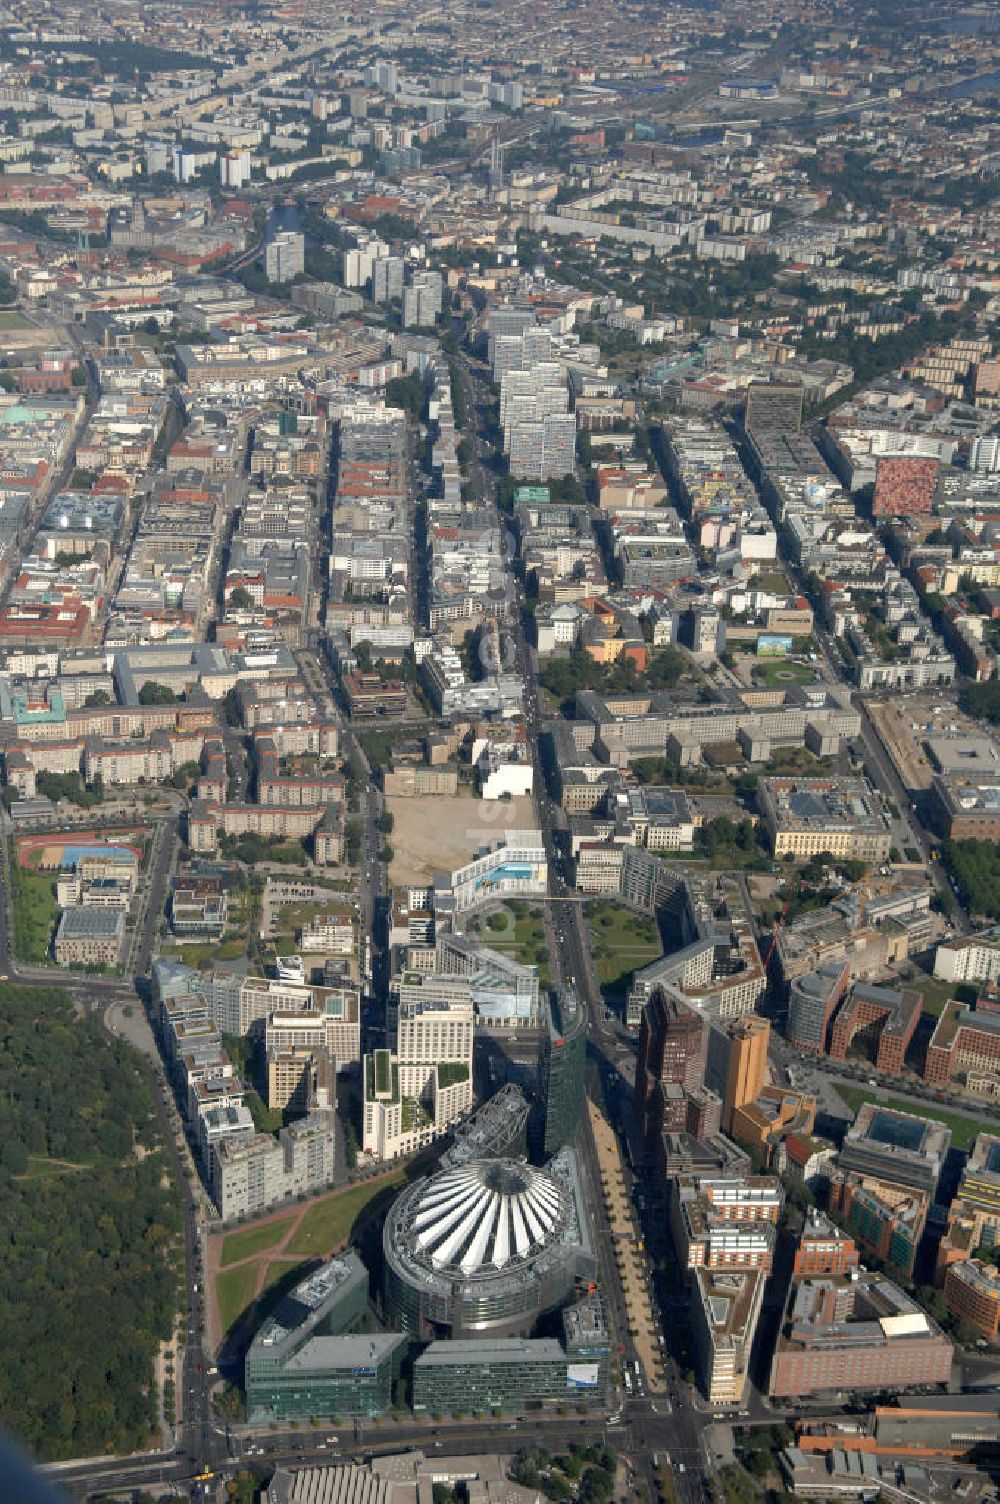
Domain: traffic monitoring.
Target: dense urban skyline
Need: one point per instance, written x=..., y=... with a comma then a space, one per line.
x=500, y=820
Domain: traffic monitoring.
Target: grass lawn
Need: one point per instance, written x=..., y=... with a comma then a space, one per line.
x=622, y=942
x=777, y=672
x=35, y=914
x=280, y=1270
x=327, y=1225
x=935, y=994
x=234, y=1292
x=11, y=319
x=963, y=1130
x=771, y=579
x=250, y=1240
x=521, y=936
x=209, y=950
x=41, y=1168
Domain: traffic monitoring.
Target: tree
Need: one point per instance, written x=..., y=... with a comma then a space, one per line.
x=98, y=697
x=231, y=708
x=70, y=1095
x=153, y=693
x=982, y=700
x=240, y=599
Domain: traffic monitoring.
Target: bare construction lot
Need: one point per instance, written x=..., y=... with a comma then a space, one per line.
x=440, y=832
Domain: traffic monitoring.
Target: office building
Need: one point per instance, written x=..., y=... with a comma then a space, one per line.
x=284, y=256
x=748, y=1040
x=564, y=1059
x=482, y=1249
x=887, y=1221
x=672, y=1051
x=966, y=806
x=807, y=817
x=812, y=999
x=504, y=993
x=855, y=1331
x=497, y=1374
x=89, y=935
x=898, y=1148
x=774, y=405
x=965, y=1046
x=725, y=1309
x=301, y=1363
x=887, y=1017
x=972, y=1290
x=414, y=1094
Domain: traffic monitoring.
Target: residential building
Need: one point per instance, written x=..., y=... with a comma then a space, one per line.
x=725, y=1222
x=284, y=256
x=251, y=1175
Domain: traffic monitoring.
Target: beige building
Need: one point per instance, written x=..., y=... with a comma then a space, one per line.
x=725, y=1309
x=251, y=1175
x=332, y=1026
x=329, y=934
x=417, y=782
x=414, y=1094
x=805, y=817
x=89, y=936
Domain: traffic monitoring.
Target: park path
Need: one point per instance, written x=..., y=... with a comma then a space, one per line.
x=276, y=1253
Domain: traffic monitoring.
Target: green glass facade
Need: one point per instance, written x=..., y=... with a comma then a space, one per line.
x=502, y=1374
x=352, y=1375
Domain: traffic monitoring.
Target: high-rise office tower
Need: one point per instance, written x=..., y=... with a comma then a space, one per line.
x=672, y=1050
x=747, y=1065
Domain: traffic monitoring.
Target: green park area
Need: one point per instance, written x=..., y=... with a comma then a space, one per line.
x=623, y=943
x=250, y=1240
x=234, y=1291
x=11, y=319
x=517, y=930
x=327, y=1225
x=317, y=1231
x=205, y=953
x=963, y=1129
x=35, y=913
x=779, y=673
x=935, y=994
